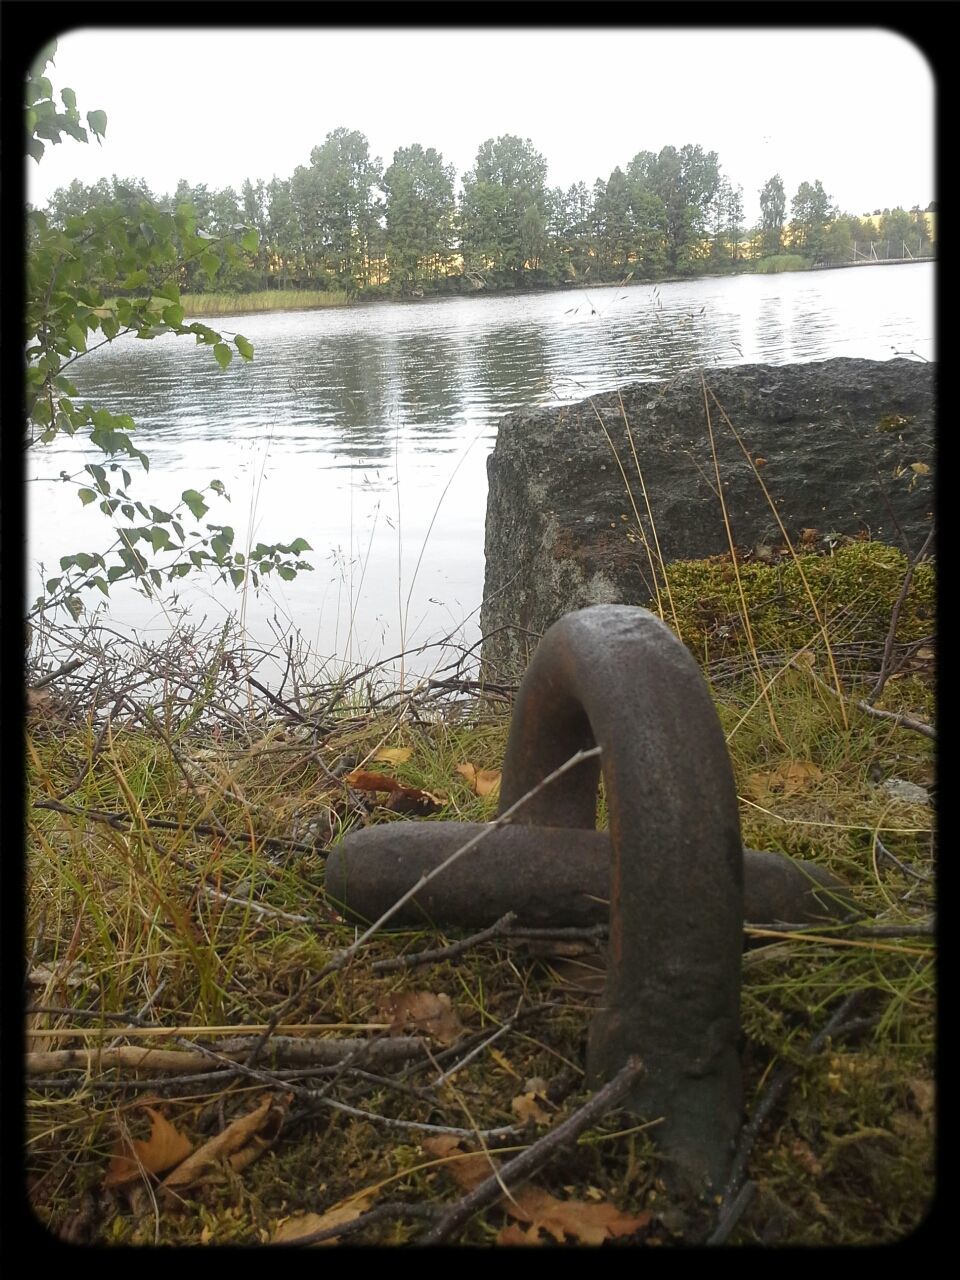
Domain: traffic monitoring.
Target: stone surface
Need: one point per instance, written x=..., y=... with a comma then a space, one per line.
x=567, y=522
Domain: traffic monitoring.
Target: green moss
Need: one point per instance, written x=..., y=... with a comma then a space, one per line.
x=855, y=590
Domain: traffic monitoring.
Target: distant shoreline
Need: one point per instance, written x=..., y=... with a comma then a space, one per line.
x=208, y=305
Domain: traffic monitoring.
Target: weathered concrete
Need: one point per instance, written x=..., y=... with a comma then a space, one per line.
x=838, y=439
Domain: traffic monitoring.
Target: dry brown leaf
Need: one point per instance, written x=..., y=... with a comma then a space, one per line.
x=529, y=1108
x=516, y=1235
x=258, y=1127
x=394, y=755
x=503, y=1061
x=401, y=799
x=412, y=800
x=164, y=1148
x=423, y=1011
x=467, y=1168
x=923, y=1095
x=588, y=1223
x=364, y=781
x=789, y=779
x=483, y=782
x=304, y=1224
x=920, y=468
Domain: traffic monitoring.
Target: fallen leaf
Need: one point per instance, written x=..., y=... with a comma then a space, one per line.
x=503, y=1061
x=412, y=800
x=529, y=1108
x=920, y=468
x=164, y=1148
x=257, y=1128
x=364, y=781
x=789, y=779
x=305, y=1224
x=482, y=782
x=401, y=799
x=394, y=755
x=423, y=1011
x=759, y=462
x=516, y=1235
x=467, y=1168
x=588, y=1223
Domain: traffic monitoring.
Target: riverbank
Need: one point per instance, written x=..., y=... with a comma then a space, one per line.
x=176, y=839
x=207, y=305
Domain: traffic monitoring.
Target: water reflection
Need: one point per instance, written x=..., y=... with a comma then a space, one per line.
x=366, y=430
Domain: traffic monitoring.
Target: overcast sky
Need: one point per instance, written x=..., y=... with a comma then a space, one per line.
x=853, y=108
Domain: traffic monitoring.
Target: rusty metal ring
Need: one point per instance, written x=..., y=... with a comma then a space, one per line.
x=615, y=676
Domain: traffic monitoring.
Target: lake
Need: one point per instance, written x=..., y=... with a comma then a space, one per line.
x=366, y=430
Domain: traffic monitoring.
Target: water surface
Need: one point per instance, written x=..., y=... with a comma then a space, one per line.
x=366, y=430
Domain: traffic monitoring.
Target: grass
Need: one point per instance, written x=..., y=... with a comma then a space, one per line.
x=233, y=304
x=177, y=882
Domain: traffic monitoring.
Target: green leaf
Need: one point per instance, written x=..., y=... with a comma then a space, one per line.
x=75, y=606
x=127, y=510
x=237, y=576
x=51, y=585
x=219, y=487
x=210, y=263
x=298, y=545
x=223, y=354
x=134, y=279
x=251, y=241
x=77, y=337
x=286, y=573
x=116, y=572
x=102, y=584
x=244, y=346
x=173, y=316
x=87, y=496
x=69, y=99
x=195, y=502
x=97, y=120
x=160, y=539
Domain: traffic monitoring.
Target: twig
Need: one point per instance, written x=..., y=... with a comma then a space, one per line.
x=732, y=1214
x=835, y=1027
x=840, y=931
x=899, y=718
x=444, y=953
x=917, y=875
x=60, y=671
x=97, y=748
x=391, y=1209
x=475, y=1052
x=123, y=821
x=311, y=1097
x=877, y=689
x=278, y=702
x=530, y=1161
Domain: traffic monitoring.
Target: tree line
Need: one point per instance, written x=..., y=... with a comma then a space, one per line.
x=344, y=222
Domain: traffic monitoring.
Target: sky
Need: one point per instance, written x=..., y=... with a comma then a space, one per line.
x=853, y=108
